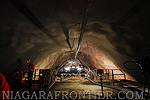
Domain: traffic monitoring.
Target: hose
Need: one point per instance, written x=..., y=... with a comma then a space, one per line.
x=100, y=84
x=124, y=64
x=143, y=72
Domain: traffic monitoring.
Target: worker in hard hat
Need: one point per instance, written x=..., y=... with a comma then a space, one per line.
x=30, y=72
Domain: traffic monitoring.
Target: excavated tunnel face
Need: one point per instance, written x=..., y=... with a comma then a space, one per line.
x=42, y=33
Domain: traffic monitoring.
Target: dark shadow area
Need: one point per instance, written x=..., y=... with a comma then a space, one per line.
x=21, y=6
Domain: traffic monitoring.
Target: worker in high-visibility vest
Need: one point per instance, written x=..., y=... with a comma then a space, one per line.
x=30, y=72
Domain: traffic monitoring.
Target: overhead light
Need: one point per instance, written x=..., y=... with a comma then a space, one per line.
x=78, y=68
x=67, y=68
x=73, y=66
x=71, y=61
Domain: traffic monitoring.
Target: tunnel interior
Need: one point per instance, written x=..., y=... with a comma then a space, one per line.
x=54, y=34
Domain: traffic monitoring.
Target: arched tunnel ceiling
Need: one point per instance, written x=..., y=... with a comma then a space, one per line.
x=106, y=43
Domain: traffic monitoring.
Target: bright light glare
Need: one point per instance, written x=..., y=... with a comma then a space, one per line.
x=67, y=68
x=79, y=68
x=73, y=66
x=71, y=62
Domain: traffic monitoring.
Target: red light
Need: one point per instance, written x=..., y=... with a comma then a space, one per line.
x=40, y=74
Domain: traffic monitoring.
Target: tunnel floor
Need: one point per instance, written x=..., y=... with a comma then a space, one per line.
x=76, y=87
x=81, y=88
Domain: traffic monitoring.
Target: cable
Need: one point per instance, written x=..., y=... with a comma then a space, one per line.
x=144, y=65
x=124, y=64
x=84, y=22
x=100, y=84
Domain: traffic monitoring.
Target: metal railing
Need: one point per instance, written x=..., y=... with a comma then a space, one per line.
x=111, y=74
x=35, y=75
